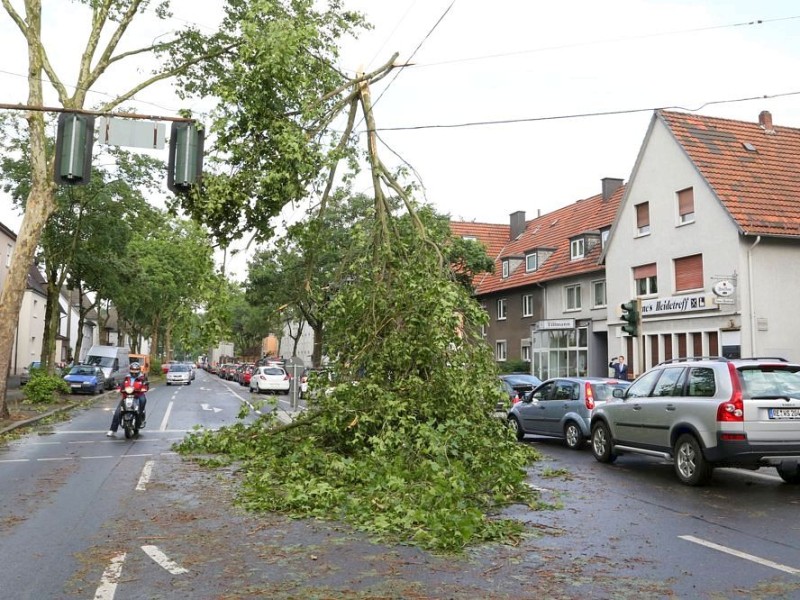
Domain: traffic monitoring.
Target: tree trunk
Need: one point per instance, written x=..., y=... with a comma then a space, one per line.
x=38, y=208
x=51, y=322
x=156, y=327
x=316, y=354
x=40, y=205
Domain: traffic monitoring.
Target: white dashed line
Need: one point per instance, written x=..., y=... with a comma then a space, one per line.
x=738, y=554
x=144, y=479
x=162, y=560
x=110, y=578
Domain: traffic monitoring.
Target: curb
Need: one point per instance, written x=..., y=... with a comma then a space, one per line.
x=37, y=418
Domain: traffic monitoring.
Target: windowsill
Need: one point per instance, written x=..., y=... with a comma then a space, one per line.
x=682, y=223
x=600, y=307
x=502, y=318
x=572, y=310
x=527, y=316
x=641, y=235
x=691, y=291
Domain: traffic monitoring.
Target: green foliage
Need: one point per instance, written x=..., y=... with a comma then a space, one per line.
x=514, y=366
x=155, y=367
x=42, y=388
x=404, y=444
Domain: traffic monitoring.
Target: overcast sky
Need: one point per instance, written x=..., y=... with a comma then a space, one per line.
x=540, y=64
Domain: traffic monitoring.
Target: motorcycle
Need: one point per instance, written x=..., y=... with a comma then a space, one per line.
x=130, y=408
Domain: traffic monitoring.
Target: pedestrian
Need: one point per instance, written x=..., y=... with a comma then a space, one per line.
x=620, y=368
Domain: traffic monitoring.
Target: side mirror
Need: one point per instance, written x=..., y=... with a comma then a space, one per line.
x=618, y=393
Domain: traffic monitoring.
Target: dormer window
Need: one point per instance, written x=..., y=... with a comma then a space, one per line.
x=505, y=269
x=577, y=248
x=531, y=262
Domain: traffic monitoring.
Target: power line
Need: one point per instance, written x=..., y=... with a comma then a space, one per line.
x=601, y=42
x=435, y=25
x=583, y=115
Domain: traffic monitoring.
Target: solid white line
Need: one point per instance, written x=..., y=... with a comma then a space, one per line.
x=737, y=553
x=15, y=460
x=108, y=582
x=54, y=459
x=144, y=479
x=162, y=560
x=166, y=417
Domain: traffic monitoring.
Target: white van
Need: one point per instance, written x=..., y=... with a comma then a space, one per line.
x=114, y=361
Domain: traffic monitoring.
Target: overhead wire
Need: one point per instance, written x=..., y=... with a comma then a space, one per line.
x=584, y=115
x=601, y=42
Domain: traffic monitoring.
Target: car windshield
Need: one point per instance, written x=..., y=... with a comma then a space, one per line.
x=178, y=368
x=82, y=371
x=100, y=361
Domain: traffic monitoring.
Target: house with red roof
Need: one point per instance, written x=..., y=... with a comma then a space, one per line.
x=707, y=241
x=546, y=298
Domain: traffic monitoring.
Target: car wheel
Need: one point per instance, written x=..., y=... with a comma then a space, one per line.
x=573, y=435
x=690, y=465
x=514, y=425
x=601, y=443
x=790, y=474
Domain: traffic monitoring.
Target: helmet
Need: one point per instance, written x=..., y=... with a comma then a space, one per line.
x=135, y=368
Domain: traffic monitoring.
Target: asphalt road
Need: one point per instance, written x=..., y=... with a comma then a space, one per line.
x=85, y=516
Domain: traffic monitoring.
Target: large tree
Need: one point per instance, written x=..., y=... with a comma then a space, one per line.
x=269, y=52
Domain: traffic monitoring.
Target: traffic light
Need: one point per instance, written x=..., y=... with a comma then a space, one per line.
x=74, y=141
x=631, y=314
x=185, y=165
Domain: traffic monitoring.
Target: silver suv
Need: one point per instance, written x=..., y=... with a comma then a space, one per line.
x=707, y=412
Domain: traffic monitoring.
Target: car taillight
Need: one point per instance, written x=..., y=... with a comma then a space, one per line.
x=589, y=393
x=733, y=409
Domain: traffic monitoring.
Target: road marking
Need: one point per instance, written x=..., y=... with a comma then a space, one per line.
x=164, y=421
x=744, y=555
x=56, y=458
x=110, y=578
x=162, y=560
x=144, y=479
x=208, y=407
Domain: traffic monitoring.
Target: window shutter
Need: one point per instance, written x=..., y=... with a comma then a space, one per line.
x=642, y=215
x=644, y=271
x=689, y=273
x=686, y=201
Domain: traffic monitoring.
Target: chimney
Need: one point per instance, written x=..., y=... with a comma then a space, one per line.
x=517, y=222
x=765, y=120
x=610, y=185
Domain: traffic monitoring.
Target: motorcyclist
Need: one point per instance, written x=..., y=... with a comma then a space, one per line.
x=138, y=381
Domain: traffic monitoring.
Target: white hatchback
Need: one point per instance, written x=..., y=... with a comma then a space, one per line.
x=179, y=374
x=270, y=379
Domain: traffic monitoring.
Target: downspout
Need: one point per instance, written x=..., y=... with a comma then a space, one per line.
x=751, y=294
x=544, y=317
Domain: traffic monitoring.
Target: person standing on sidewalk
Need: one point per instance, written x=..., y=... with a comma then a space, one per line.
x=620, y=368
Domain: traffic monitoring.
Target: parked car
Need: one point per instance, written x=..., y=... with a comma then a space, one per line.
x=25, y=376
x=270, y=379
x=703, y=413
x=165, y=367
x=246, y=375
x=516, y=385
x=562, y=407
x=179, y=374
x=85, y=379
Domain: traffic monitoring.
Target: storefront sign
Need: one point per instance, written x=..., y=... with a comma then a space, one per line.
x=676, y=304
x=555, y=324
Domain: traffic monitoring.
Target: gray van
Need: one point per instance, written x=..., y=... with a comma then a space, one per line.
x=113, y=360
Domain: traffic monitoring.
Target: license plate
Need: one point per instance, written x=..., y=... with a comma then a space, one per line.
x=75, y=385
x=784, y=413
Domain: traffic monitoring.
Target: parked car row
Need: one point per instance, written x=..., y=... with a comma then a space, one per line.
x=271, y=377
x=700, y=413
